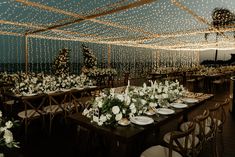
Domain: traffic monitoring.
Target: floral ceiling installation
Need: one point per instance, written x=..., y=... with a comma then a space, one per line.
x=138, y=23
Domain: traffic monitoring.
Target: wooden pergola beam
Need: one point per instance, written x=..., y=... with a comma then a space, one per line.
x=80, y=18
x=10, y=33
x=31, y=25
x=199, y=18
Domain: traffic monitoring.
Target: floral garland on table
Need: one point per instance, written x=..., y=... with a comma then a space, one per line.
x=111, y=107
x=40, y=83
x=6, y=136
x=8, y=78
x=96, y=72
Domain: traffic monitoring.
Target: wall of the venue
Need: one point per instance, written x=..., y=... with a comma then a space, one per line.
x=42, y=52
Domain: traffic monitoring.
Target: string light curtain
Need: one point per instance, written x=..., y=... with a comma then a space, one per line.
x=157, y=24
x=158, y=33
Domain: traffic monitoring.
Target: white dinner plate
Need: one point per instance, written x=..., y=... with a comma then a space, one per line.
x=50, y=92
x=79, y=88
x=141, y=120
x=65, y=90
x=92, y=86
x=189, y=100
x=165, y=111
x=32, y=94
x=179, y=105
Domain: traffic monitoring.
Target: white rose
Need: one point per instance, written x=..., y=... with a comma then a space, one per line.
x=86, y=112
x=123, y=111
x=8, y=136
x=95, y=119
x=134, y=100
x=8, y=124
x=120, y=97
x=100, y=123
x=103, y=118
x=141, y=93
x=143, y=102
x=108, y=116
x=118, y=117
x=151, y=104
x=165, y=96
x=100, y=104
x=133, y=110
x=165, y=90
x=115, y=109
x=159, y=90
x=2, y=129
x=132, y=106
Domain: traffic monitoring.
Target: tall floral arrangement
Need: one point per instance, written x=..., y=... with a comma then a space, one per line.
x=92, y=71
x=90, y=60
x=61, y=63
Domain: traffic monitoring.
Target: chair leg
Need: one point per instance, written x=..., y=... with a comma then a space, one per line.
x=214, y=147
x=50, y=123
x=26, y=129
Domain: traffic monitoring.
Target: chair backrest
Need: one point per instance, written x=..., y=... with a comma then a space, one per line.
x=226, y=102
x=75, y=98
x=218, y=114
x=185, y=147
x=34, y=103
x=202, y=120
x=61, y=99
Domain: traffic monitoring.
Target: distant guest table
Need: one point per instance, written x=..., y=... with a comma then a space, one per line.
x=73, y=92
x=128, y=140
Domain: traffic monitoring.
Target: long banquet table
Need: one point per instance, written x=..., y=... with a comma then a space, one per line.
x=127, y=140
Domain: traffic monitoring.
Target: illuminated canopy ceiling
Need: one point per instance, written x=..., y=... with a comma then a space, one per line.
x=158, y=24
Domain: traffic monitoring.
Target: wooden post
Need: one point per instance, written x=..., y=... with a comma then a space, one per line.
x=26, y=55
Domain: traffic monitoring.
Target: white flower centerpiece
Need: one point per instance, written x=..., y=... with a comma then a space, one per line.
x=6, y=136
x=110, y=107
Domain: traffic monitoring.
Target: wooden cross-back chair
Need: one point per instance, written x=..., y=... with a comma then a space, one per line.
x=76, y=104
x=207, y=130
x=218, y=118
x=33, y=109
x=181, y=143
x=7, y=101
x=202, y=131
x=58, y=103
x=219, y=115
